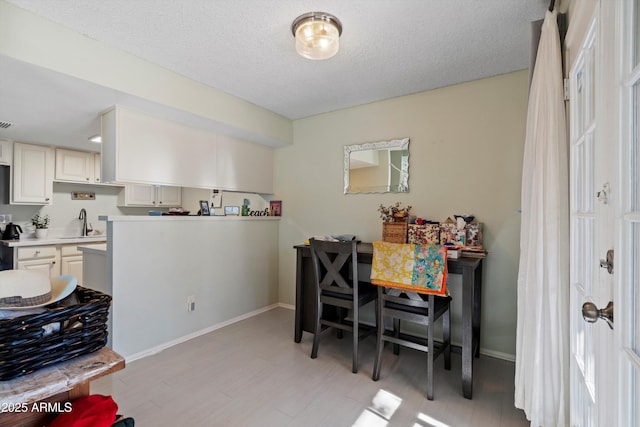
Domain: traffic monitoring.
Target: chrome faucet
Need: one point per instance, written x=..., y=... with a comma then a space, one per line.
x=83, y=217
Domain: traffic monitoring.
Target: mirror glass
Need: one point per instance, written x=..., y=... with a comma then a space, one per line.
x=377, y=167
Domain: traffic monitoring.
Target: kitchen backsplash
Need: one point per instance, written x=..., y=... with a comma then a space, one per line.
x=64, y=211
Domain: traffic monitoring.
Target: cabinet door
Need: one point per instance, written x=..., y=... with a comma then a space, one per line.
x=72, y=265
x=6, y=152
x=244, y=166
x=75, y=166
x=180, y=155
x=33, y=167
x=48, y=266
x=96, y=168
x=169, y=196
x=139, y=195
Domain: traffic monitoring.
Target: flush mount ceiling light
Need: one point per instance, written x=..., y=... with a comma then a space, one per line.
x=96, y=138
x=317, y=35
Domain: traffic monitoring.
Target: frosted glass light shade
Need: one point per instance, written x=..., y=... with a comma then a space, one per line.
x=317, y=35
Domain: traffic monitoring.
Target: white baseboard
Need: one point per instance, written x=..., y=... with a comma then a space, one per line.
x=498, y=355
x=287, y=306
x=159, y=348
x=154, y=350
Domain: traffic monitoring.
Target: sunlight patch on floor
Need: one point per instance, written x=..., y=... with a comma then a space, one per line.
x=432, y=422
x=383, y=406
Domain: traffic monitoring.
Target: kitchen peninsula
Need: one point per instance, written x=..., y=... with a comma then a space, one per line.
x=173, y=278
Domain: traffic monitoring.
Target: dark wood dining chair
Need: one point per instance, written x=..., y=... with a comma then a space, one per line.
x=335, y=265
x=423, y=309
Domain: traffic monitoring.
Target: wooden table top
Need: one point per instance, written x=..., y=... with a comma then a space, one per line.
x=60, y=377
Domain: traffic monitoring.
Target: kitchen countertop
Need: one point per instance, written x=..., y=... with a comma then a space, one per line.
x=99, y=248
x=174, y=218
x=53, y=241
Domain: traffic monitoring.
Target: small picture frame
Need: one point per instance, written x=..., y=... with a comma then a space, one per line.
x=275, y=208
x=204, y=207
x=232, y=210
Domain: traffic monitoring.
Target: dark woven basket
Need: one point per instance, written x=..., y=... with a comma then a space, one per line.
x=78, y=326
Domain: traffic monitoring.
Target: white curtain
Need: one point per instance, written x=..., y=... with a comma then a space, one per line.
x=542, y=345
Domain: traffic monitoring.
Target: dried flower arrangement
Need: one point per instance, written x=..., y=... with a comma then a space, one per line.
x=394, y=212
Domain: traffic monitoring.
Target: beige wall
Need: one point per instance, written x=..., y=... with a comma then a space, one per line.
x=465, y=157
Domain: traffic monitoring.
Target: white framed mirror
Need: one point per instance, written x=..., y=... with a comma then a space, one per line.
x=377, y=167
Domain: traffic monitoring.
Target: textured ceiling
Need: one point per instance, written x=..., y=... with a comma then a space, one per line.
x=245, y=47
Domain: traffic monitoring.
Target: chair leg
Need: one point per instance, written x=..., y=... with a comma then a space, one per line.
x=316, y=335
x=446, y=331
x=379, y=343
x=341, y=316
x=356, y=336
x=430, y=344
x=396, y=333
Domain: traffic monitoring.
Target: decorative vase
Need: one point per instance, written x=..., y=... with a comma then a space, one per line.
x=41, y=233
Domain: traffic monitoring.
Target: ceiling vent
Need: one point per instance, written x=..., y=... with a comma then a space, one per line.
x=4, y=125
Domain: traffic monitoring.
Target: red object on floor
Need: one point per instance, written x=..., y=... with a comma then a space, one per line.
x=95, y=410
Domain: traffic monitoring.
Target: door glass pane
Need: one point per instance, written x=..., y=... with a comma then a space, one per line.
x=589, y=89
x=634, y=386
x=634, y=257
x=589, y=237
x=635, y=151
x=636, y=26
x=588, y=175
x=577, y=184
x=579, y=104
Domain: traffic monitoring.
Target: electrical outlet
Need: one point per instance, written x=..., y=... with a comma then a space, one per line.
x=191, y=303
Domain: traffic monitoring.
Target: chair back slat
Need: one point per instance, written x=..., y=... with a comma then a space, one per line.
x=335, y=265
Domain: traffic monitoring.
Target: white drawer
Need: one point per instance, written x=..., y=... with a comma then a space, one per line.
x=36, y=252
x=69, y=250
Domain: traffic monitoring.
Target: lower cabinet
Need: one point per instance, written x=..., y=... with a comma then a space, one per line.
x=39, y=258
x=52, y=260
x=71, y=262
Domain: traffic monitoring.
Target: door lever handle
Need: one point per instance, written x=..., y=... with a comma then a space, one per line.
x=591, y=314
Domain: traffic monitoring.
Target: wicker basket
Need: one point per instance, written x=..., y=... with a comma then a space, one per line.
x=62, y=332
x=394, y=232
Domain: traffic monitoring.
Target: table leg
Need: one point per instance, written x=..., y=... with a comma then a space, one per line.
x=299, y=298
x=468, y=293
x=477, y=308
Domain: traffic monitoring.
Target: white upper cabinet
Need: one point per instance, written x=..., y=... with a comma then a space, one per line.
x=138, y=148
x=169, y=196
x=244, y=166
x=144, y=149
x=6, y=152
x=33, y=171
x=74, y=166
x=150, y=195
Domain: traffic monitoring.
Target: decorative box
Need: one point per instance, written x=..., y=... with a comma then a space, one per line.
x=474, y=234
x=447, y=229
x=394, y=232
x=424, y=234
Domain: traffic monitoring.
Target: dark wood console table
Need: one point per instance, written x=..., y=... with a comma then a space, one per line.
x=470, y=268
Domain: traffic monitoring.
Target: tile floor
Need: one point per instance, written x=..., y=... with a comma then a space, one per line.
x=252, y=373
